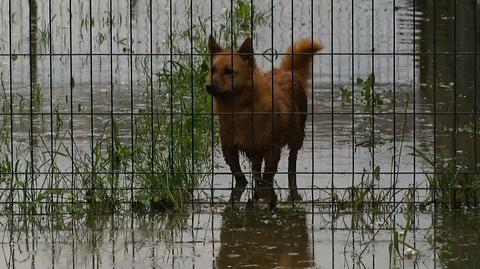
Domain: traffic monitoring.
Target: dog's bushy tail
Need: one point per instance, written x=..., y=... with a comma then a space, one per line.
x=299, y=58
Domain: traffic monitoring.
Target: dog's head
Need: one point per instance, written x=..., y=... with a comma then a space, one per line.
x=230, y=70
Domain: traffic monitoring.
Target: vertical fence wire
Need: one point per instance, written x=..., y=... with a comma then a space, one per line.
x=92, y=138
x=455, y=99
x=235, y=171
x=414, y=118
x=332, y=133
x=353, y=132
x=51, y=168
x=252, y=108
x=393, y=178
x=10, y=225
x=312, y=117
x=192, y=107
x=332, y=110
x=192, y=115
x=292, y=84
x=352, y=102
x=192, y=129
x=150, y=83
x=73, y=188
x=212, y=121
x=272, y=66
x=113, y=172
x=73, y=192
x=32, y=12
x=372, y=111
x=312, y=109
x=475, y=88
x=372, y=117
x=434, y=127
x=132, y=117
x=10, y=77
x=212, y=166
x=171, y=156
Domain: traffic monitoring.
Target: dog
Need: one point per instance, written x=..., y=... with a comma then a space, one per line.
x=260, y=112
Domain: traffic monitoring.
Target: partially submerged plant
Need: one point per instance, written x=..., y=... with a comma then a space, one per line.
x=450, y=183
x=368, y=98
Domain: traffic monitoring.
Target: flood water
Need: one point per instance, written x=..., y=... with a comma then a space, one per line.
x=426, y=70
x=218, y=238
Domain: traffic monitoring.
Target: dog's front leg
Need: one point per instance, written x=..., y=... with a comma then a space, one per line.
x=231, y=158
x=271, y=166
x=292, y=176
x=257, y=159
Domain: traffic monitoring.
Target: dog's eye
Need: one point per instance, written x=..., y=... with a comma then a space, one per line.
x=213, y=70
x=228, y=71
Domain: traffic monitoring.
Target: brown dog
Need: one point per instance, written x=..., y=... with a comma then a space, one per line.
x=260, y=112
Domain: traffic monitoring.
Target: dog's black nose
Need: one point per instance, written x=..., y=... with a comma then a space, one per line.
x=209, y=88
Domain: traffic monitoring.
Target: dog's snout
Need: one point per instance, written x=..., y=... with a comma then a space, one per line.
x=208, y=88
x=214, y=91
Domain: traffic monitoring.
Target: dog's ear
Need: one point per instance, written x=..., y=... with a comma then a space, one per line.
x=213, y=47
x=246, y=49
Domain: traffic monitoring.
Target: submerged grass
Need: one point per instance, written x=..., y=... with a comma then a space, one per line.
x=366, y=194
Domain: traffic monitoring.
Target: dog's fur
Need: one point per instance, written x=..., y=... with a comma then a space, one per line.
x=261, y=112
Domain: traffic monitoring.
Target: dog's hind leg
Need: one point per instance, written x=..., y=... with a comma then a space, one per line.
x=231, y=158
x=292, y=176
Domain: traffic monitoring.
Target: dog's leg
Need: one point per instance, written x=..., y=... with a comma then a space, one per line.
x=271, y=166
x=292, y=176
x=231, y=158
x=257, y=173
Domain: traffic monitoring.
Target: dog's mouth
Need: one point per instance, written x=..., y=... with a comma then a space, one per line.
x=214, y=92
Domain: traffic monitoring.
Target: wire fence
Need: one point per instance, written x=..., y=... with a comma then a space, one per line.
x=105, y=113
x=104, y=104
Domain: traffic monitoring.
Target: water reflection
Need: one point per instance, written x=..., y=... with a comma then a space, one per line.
x=458, y=239
x=265, y=240
x=246, y=238
x=448, y=74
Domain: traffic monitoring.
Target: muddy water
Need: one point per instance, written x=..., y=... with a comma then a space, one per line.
x=423, y=77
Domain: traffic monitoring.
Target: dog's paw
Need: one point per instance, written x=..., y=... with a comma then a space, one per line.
x=250, y=204
x=272, y=204
x=256, y=197
x=294, y=197
x=233, y=204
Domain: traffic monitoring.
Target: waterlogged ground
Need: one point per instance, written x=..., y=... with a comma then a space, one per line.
x=212, y=237
x=219, y=238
